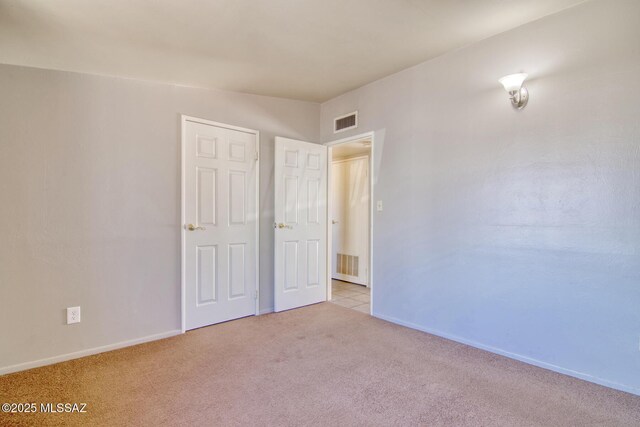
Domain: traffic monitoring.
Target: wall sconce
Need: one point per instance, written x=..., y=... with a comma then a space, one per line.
x=513, y=85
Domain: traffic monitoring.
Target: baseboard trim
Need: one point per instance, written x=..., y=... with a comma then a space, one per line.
x=265, y=311
x=519, y=357
x=88, y=352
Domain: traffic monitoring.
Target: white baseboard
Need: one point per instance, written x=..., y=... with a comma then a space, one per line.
x=265, y=311
x=521, y=358
x=88, y=352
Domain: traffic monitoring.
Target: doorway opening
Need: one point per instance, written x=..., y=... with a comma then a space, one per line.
x=350, y=222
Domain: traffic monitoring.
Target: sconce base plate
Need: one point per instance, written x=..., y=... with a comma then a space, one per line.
x=519, y=99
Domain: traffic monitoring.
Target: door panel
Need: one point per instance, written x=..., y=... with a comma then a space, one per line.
x=313, y=263
x=220, y=185
x=313, y=201
x=206, y=274
x=237, y=266
x=290, y=265
x=237, y=197
x=291, y=200
x=301, y=221
x=207, y=197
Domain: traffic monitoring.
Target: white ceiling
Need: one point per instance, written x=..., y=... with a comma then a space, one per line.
x=302, y=49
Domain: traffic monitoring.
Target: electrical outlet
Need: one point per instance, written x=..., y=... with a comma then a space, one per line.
x=73, y=315
x=379, y=206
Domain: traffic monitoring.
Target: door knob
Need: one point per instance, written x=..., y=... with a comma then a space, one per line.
x=282, y=225
x=334, y=221
x=192, y=227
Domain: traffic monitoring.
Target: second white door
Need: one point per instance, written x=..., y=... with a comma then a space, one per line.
x=300, y=223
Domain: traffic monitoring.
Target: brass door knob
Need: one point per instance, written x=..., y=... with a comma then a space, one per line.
x=282, y=225
x=192, y=227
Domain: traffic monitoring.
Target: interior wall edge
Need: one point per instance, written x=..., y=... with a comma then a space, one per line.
x=86, y=352
x=515, y=356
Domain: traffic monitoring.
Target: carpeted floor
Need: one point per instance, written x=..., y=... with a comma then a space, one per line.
x=319, y=365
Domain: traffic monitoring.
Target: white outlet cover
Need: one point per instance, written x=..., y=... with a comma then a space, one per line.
x=379, y=206
x=73, y=315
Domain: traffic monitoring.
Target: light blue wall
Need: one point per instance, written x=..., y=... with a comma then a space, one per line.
x=516, y=231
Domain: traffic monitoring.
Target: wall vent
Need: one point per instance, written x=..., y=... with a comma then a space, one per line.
x=346, y=122
x=347, y=265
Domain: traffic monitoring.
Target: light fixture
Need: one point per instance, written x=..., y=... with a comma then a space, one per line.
x=513, y=85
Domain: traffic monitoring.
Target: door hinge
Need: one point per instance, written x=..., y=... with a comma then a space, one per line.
x=255, y=295
x=256, y=156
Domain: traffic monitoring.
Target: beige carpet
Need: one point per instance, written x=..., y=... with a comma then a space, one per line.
x=319, y=365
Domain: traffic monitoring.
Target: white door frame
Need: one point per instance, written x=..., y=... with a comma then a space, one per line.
x=371, y=136
x=183, y=121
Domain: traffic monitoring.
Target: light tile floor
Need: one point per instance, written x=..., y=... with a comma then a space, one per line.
x=350, y=295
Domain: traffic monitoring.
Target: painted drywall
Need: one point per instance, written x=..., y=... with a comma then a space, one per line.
x=90, y=203
x=516, y=231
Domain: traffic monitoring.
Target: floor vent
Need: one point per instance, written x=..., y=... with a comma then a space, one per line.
x=346, y=122
x=347, y=265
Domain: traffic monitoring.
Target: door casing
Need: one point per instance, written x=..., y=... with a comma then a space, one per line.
x=372, y=154
x=183, y=120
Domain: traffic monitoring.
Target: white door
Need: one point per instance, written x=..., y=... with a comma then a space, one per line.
x=300, y=223
x=350, y=219
x=220, y=223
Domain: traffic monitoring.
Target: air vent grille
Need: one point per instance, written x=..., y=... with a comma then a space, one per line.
x=347, y=265
x=346, y=122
